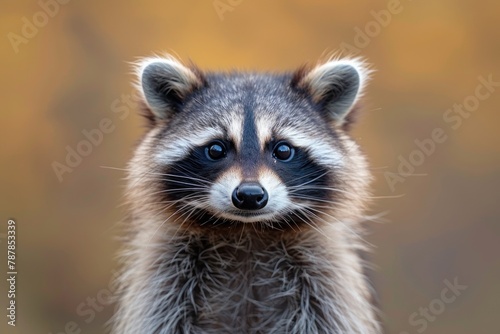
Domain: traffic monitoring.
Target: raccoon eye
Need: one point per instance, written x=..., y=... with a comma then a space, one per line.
x=283, y=152
x=215, y=151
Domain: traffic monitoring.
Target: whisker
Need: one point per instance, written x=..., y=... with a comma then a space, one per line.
x=305, y=183
x=354, y=233
x=175, y=212
x=192, y=178
x=173, y=191
x=309, y=222
x=180, y=182
x=345, y=192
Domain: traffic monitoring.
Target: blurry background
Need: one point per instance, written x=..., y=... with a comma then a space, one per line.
x=64, y=70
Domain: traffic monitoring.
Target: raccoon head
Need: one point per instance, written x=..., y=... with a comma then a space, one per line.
x=226, y=149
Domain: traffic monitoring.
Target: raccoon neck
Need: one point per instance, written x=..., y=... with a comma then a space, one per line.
x=307, y=281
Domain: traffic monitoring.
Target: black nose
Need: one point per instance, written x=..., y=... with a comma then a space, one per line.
x=250, y=196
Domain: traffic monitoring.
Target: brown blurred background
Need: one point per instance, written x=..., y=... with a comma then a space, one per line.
x=65, y=72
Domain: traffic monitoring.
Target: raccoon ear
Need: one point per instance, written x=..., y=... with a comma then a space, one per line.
x=335, y=86
x=165, y=83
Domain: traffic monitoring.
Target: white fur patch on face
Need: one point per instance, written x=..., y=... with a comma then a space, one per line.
x=276, y=190
x=221, y=204
x=179, y=148
x=321, y=151
x=222, y=189
x=235, y=129
x=264, y=129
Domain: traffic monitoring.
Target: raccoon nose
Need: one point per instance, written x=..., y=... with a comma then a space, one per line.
x=249, y=196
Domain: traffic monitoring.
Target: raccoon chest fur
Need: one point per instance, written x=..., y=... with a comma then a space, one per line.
x=241, y=285
x=249, y=283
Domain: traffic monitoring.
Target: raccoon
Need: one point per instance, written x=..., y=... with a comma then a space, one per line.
x=247, y=195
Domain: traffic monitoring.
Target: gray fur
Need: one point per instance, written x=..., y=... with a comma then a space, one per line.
x=185, y=277
x=248, y=283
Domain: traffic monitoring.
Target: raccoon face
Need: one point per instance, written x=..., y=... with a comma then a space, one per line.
x=244, y=148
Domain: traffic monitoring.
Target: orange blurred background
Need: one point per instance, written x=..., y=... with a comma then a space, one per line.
x=66, y=69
